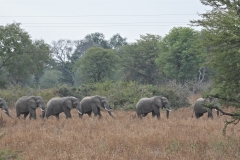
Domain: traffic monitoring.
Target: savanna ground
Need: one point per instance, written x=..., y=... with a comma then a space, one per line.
x=180, y=137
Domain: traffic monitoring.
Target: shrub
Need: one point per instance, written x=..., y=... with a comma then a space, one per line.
x=125, y=95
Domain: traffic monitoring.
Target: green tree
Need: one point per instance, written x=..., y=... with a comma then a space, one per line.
x=138, y=60
x=91, y=40
x=97, y=64
x=180, y=57
x=222, y=37
x=20, y=57
x=98, y=39
x=50, y=78
x=117, y=41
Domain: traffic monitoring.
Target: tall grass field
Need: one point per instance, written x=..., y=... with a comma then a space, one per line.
x=180, y=137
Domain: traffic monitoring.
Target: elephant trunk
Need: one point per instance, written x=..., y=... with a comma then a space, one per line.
x=7, y=112
x=107, y=107
x=43, y=111
x=80, y=112
x=109, y=112
x=43, y=114
x=167, y=113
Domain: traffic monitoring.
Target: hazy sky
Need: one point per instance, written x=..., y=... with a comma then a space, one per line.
x=52, y=20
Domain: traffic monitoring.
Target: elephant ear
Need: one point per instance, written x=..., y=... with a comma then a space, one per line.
x=164, y=100
x=157, y=101
x=32, y=103
x=103, y=99
x=68, y=103
x=97, y=100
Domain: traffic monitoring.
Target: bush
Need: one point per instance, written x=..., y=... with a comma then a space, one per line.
x=125, y=95
x=176, y=94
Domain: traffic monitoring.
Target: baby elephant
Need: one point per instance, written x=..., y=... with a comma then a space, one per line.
x=57, y=105
x=153, y=104
x=200, y=107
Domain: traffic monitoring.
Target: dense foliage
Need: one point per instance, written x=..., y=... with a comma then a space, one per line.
x=138, y=60
x=97, y=64
x=222, y=36
x=20, y=57
x=180, y=56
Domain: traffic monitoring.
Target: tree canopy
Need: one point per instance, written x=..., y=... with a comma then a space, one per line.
x=97, y=64
x=180, y=56
x=138, y=60
x=222, y=37
x=21, y=57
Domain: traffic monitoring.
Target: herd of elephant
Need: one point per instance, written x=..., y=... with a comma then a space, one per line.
x=28, y=104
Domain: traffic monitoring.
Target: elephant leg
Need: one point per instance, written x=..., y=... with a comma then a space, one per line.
x=57, y=116
x=156, y=112
x=32, y=114
x=198, y=115
x=153, y=114
x=67, y=112
x=210, y=114
x=25, y=114
x=95, y=111
x=144, y=114
x=139, y=115
x=217, y=113
x=18, y=113
x=99, y=113
x=89, y=113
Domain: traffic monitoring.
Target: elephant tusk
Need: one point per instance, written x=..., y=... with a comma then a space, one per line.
x=79, y=112
x=168, y=109
x=108, y=109
x=5, y=111
x=9, y=110
x=42, y=110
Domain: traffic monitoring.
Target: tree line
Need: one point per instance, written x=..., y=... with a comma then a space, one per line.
x=152, y=59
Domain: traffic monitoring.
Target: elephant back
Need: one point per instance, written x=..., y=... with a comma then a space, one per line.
x=21, y=102
x=199, y=105
x=52, y=101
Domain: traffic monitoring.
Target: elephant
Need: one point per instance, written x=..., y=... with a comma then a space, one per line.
x=57, y=105
x=93, y=104
x=4, y=107
x=153, y=104
x=199, y=107
x=28, y=104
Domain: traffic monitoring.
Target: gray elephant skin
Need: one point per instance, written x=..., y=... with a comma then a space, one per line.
x=199, y=107
x=153, y=104
x=4, y=107
x=57, y=105
x=29, y=104
x=93, y=104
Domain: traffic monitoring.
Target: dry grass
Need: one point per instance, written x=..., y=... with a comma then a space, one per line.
x=180, y=137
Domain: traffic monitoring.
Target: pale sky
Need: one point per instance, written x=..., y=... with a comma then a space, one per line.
x=52, y=20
